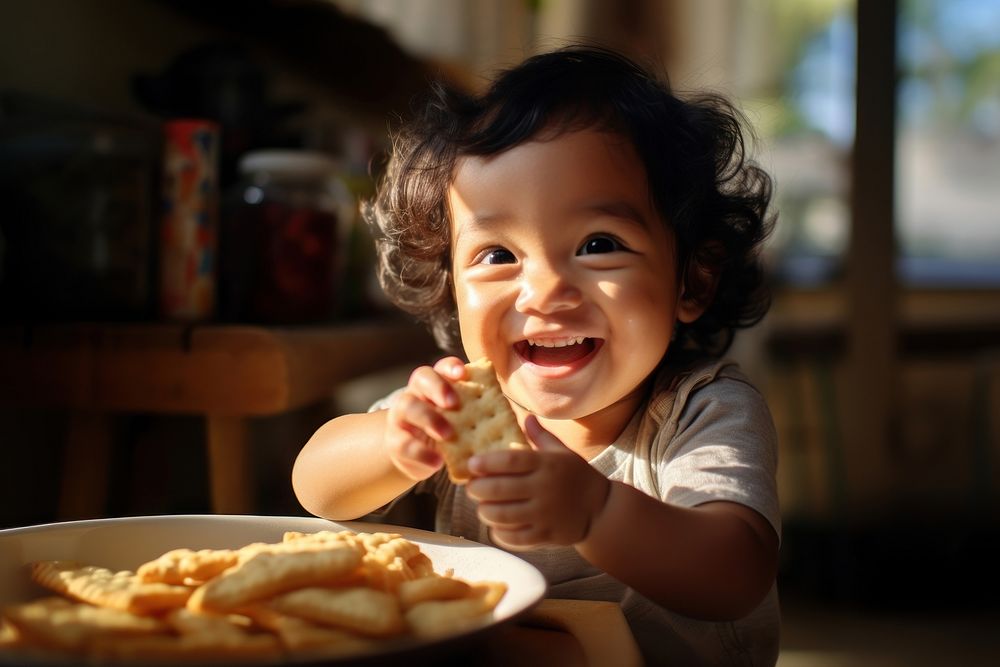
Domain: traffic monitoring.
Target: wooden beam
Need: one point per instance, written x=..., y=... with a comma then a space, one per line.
x=217, y=370
x=86, y=466
x=230, y=467
x=870, y=395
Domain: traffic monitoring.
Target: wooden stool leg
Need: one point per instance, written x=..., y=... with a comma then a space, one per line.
x=229, y=465
x=83, y=490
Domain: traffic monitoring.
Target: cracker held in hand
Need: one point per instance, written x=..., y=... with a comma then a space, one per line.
x=483, y=421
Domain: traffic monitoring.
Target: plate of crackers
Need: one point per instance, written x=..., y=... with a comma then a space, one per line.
x=217, y=589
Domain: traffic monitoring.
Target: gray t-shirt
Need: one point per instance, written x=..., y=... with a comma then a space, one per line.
x=704, y=435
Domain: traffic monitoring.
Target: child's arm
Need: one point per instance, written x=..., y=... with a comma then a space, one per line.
x=344, y=472
x=716, y=561
x=356, y=463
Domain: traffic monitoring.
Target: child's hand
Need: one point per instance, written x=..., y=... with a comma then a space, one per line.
x=414, y=423
x=545, y=495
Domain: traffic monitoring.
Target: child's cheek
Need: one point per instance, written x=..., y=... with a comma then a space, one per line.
x=470, y=299
x=473, y=305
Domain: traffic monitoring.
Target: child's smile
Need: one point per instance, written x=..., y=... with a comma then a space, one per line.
x=565, y=276
x=557, y=355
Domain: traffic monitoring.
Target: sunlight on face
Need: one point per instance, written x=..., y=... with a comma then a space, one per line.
x=564, y=274
x=611, y=290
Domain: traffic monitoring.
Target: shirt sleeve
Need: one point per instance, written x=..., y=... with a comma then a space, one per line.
x=724, y=448
x=384, y=402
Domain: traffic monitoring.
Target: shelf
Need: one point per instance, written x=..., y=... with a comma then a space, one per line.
x=225, y=373
x=172, y=368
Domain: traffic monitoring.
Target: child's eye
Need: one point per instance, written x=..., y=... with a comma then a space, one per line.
x=497, y=256
x=600, y=244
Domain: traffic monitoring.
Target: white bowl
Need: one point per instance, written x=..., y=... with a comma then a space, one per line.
x=126, y=543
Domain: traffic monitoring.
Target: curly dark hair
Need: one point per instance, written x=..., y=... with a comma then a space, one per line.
x=713, y=197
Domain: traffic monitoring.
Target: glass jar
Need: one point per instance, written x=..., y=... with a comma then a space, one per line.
x=282, y=243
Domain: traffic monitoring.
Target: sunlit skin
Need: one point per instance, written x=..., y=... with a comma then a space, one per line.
x=565, y=276
x=578, y=252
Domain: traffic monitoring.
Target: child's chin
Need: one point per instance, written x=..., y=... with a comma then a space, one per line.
x=550, y=410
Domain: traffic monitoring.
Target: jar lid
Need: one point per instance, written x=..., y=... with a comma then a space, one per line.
x=288, y=163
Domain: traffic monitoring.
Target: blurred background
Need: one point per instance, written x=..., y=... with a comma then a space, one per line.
x=180, y=183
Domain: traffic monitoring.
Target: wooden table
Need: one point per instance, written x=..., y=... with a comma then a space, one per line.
x=225, y=373
x=567, y=633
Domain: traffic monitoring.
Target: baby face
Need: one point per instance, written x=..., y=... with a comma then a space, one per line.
x=565, y=276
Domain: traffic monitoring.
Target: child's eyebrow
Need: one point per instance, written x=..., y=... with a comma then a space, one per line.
x=617, y=209
x=487, y=219
x=480, y=222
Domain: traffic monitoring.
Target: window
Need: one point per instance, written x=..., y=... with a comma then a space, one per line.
x=948, y=142
x=801, y=100
x=947, y=197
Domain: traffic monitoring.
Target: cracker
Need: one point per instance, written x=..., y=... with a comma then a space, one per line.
x=420, y=590
x=421, y=565
x=186, y=648
x=187, y=622
x=205, y=637
x=483, y=422
x=105, y=588
x=385, y=576
x=387, y=560
x=60, y=623
x=300, y=636
x=265, y=574
x=188, y=567
x=362, y=610
x=386, y=547
x=322, y=536
x=319, y=595
x=433, y=618
x=184, y=566
x=10, y=636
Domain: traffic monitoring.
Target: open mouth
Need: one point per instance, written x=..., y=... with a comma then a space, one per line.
x=556, y=351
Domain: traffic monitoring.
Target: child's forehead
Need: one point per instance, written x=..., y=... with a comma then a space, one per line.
x=568, y=173
x=547, y=135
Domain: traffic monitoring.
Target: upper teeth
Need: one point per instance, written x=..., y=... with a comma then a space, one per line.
x=550, y=342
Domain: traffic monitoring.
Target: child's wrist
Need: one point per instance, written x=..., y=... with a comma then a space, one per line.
x=597, y=509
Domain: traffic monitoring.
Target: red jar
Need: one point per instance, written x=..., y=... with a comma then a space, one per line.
x=282, y=247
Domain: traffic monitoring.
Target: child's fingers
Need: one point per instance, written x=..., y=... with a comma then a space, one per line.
x=422, y=452
x=433, y=387
x=504, y=462
x=413, y=453
x=499, y=488
x=518, y=538
x=540, y=438
x=452, y=368
x=506, y=516
x=411, y=449
x=410, y=412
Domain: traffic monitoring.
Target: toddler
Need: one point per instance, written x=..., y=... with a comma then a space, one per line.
x=596, y=237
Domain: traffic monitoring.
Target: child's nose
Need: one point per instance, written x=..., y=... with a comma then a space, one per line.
x=546, y=289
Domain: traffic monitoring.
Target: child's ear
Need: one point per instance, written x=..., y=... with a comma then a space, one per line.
x=700, y=281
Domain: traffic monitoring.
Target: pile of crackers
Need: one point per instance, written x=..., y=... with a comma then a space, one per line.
x=324, y=594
